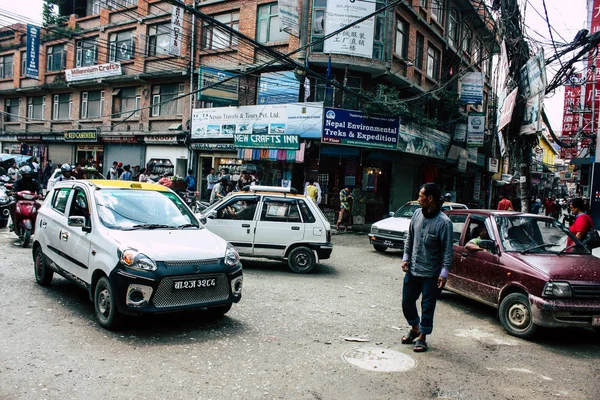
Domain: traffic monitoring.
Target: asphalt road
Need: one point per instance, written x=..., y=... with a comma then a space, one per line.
x=284, y=340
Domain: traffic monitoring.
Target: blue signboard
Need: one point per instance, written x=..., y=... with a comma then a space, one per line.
x=33, y=52
x=278, y=88
x=354, y=128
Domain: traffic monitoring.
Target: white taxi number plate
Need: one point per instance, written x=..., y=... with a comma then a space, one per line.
x=388, y=242
x=596, y=320
x=194, y=283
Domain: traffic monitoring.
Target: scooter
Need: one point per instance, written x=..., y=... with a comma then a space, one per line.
x=26, y=214
x=4, y=207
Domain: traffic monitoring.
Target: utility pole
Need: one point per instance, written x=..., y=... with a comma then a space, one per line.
x=518, y=54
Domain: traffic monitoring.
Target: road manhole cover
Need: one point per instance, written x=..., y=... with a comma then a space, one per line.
x=379, y=359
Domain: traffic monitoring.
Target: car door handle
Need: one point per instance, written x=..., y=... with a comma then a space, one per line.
x=245, y=225
x=64, y=236
x=295, y=228
x=464, y=254
x=44, y=224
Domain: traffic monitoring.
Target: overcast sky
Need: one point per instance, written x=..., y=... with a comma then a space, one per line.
x=566, y=17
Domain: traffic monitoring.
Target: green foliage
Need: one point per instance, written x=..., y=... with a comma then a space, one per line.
x=49, y=17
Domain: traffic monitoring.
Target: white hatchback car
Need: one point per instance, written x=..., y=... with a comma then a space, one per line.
x=136, y=248
x=391, y=232
x=272, y=222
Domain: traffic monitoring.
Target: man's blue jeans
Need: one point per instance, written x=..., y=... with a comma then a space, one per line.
x=415, y=286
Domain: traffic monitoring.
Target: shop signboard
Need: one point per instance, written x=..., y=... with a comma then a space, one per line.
x=493, y=165
x=471, y=88
x=81, y=135
x=160, y=139
x=354, y=128
x=480, y=159
x=267, y=141
x=506, y=109
x=472, y=155
x=130, y=139
x=211, y=89
x=355, y=41
x=531, y=123
x=176, y=30
x=278, y=88
x=477, y=188
x=475, y=129
x=454, y=153
x=533, y=75
x=29, y=138
x=289, y=16
x=8, y=138
x=213, y=146
x=305, y=119
x=424, y=141
x=93, y=72
x=460, y=132
x=53, y=138
x=33, y=52
x=462, y=161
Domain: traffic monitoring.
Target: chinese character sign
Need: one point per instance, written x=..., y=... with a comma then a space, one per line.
x=176, y=30
x=572, y=101
x=354, y=41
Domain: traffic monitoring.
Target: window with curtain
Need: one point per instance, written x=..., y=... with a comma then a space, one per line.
x=6, y=66
x=56, y=57
x=122, y=46
x=402, y=33
x=159, y=40
x=61, y=107
x=92, y=104
x=36, y=107
x=268, y=24
x=125, y=101
x=161, y=96
x=433, y=62
x=215, y=38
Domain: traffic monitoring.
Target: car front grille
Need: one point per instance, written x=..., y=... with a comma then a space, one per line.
x=188, y=263
x=586, y=291
x=391, y=233
x=167, y=296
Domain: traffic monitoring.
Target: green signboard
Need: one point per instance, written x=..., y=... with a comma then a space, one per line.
x=267, y=141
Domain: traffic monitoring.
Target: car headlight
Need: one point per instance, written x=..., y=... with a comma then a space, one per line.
x=231, y=256
x=374, y=229
x=557, y=289
x=135, y=260
x=3, y=196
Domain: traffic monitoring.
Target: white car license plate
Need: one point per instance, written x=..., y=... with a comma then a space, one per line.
x=596, y=320
x=388, y=242
x=194, y=283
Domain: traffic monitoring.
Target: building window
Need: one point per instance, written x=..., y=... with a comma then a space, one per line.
x=62, y=106
x=379, y=35
x=56, y=57
x=12, y=110
x=437, y=9
x=23, y=63
x=419, y=51
x=453, y=28
x=402, y=33
x=423, y=3
x=215, y=38
x=87, y=52
x=92, y=104
x=126, y=101
x=122, y=46
x=268, y=24
x=433, y=62
x=351, y=101
x=6, y=66
x=36, y=106
x=467, y=39
x=159, y=40
x=161, y=96
x=478, y=52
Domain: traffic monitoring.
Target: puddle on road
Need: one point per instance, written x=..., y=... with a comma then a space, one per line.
x=379, y=359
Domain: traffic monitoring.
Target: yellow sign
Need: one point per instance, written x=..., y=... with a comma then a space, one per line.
x=81, y=136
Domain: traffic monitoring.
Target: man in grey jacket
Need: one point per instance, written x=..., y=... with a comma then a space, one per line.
x=426, y=262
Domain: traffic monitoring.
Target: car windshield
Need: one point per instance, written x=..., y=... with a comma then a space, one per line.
x=143, y=209
x=536, y=235
x=407, y=210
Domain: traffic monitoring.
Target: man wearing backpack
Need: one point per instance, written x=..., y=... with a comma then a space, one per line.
x=583, y=223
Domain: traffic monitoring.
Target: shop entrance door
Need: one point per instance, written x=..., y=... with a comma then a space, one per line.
x=205, y=164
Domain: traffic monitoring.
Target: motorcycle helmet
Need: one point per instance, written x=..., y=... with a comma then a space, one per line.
x=66, y=168
x=26, y=171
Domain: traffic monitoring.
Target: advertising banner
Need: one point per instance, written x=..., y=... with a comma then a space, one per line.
x=454, y=153
x=93, y=72
x=424, y=141
x=471, y=88
x=176, y=31
x=472, y=155
x=33, y=52
x=460, y=132
x=572, y=102
x=267, y=141
x=289, y=16
x=475, y=129
x=462, y=161
x=533, y=75
x=501, y=144
x=226, y=92
x=503, y=69
x=302, y=119
x=354, y=128
x=531, y=118
x=506, y=109
x=477, y=188
x=493, y=165
x=278, y=88
x=355, y=41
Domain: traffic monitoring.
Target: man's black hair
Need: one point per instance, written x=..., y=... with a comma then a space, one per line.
x=432, y=189
x=578, y=203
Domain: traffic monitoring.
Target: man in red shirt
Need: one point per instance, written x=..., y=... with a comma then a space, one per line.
x=583, y=222
x=505, y=204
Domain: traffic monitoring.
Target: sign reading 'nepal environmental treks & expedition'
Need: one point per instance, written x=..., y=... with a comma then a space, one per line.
x=355, y=128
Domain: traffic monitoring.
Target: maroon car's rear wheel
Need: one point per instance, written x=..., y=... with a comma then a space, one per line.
x=516, y=317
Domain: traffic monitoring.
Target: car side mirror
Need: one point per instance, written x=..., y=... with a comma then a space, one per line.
x=76, y=221
x=391, y=214
x=202, y=219
x=489, y=245
x=212, y=215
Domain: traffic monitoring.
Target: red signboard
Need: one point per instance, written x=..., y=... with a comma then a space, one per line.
x=572, y=102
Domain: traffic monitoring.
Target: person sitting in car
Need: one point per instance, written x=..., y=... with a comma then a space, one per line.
x=473, y=244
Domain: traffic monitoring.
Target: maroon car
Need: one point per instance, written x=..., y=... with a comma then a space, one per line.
x=528, y=269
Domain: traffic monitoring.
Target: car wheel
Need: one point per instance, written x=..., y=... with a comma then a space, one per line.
x=43, y=274
x=379, y=248
x=105, y=304
x=515, y=316
x=301, y=260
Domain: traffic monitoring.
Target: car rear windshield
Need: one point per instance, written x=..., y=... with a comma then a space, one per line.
x=127, y=209
x=407, y=210
x=537, y=235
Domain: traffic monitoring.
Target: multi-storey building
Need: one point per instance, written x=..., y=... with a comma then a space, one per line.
x=420, y=49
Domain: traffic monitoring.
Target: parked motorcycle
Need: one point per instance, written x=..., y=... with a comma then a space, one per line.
x=4, y=203
x=25, y=216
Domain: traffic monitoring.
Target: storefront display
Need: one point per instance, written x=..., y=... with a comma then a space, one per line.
x=160, y=166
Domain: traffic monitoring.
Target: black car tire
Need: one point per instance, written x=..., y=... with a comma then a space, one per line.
x=43, y=274
x=301, y=260
x=105, y=304
x=380, y=248
x=516, y=317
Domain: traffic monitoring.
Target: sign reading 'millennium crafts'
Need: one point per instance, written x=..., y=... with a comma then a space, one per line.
x=33, y=52
x=355, y=128
x=92, y=72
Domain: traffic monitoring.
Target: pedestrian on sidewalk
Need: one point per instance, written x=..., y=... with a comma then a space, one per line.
x=582, y=224
x=505, y=204
x=426, y=262
x=344, y=215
